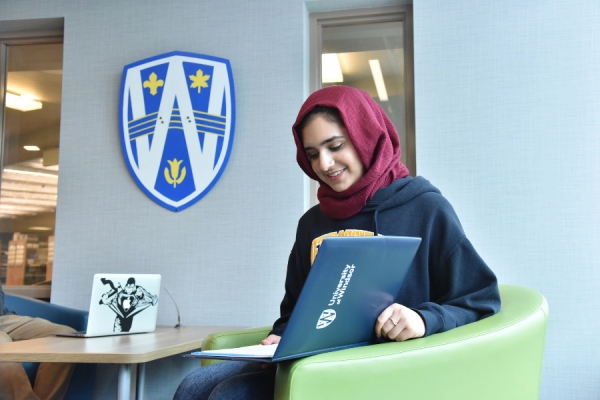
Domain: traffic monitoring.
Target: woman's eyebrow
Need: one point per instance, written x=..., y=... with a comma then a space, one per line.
x=324, y=142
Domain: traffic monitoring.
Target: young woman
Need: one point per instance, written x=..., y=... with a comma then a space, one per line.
x=347, y=143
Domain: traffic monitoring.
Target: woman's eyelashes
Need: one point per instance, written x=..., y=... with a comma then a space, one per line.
x=313, y=155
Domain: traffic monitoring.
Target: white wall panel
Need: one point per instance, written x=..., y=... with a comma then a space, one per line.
x=507, y=119
x=224, y=258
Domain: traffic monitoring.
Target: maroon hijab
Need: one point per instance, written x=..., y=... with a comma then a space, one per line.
x=375, y=139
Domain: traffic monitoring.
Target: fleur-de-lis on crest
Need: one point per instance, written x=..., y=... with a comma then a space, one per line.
x=173, y=177
x=153, y=83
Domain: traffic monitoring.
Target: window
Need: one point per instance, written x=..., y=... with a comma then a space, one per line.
x=372, y=50
x=30, y=84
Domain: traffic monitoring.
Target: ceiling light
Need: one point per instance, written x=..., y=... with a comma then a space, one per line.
x=40, y=228
x=331, y=69
x=31, y=148
x=378, y=78
x=23, y=102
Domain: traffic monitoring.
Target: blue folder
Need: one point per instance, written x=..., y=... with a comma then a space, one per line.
x=352, y=280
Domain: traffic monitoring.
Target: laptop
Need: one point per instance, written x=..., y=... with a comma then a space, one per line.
x=352, y=280
x=122, y=304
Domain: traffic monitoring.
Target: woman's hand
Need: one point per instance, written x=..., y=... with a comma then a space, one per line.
x=271, y=339
x=399, y=323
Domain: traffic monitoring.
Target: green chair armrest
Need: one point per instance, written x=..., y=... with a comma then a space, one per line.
x=231, y=339
x=499, y=357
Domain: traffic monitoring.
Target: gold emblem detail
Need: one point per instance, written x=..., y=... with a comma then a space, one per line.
x=174, y=178
x=153, y=84
x=199, y=80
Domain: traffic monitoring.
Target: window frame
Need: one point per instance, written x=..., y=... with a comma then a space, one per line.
x=16, y=37
x=23, y=32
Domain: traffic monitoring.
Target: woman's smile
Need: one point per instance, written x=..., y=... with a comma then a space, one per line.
x=331, y=154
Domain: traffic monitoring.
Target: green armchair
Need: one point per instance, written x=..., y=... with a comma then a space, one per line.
x=499, y=357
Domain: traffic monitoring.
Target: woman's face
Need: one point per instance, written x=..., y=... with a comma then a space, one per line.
x=331, y=154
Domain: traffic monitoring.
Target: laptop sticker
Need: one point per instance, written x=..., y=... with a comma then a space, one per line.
x=126, y=302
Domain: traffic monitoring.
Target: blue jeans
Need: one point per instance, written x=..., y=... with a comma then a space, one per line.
x=228, y=380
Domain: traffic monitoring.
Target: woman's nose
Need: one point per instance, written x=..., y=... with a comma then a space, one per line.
x=326, y=161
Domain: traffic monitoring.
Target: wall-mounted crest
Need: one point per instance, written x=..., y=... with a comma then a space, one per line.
x=177, y=119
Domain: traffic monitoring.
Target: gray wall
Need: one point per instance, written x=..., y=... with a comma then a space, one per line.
x=232, y=244
x=508, y=122
x=507, y=118
x=224, y=258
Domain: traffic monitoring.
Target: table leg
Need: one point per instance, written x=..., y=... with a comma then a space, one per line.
x=124, y=383
x=140, y=381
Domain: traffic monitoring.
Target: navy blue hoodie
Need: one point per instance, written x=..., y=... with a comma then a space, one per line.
x=448, y=284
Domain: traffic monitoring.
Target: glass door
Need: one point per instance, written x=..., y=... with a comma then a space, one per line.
x=370, y=50
x=28, y=188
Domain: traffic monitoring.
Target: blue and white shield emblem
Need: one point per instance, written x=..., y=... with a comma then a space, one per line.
x=177, y=118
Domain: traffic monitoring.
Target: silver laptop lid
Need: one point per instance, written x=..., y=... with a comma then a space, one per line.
x=123, y=303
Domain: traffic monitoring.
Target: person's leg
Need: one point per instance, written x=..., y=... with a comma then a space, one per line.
x=200, y=383
x=52, y=379
x=14, y=383
x=259, y=385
